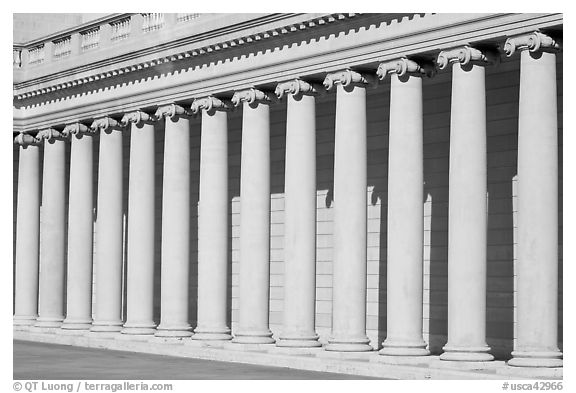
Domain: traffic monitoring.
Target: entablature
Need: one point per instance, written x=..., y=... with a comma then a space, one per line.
x=359, y=43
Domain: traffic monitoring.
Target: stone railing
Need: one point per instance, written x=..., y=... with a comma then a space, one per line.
x=93, y=36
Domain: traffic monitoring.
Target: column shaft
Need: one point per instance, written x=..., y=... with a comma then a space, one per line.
x=467, y=218
x=53, y=230
x=300, y=224
x=350, y=201
x=537, y=307
x=109, y=233
x=213, y=229
x=140, y=242
x=80, y=235
x=27, y=235
x=405, y=219
x=254, y=285
x=175, y=252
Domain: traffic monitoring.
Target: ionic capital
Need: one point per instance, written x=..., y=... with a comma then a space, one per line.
x=77, y=129
x=50, y=134
x=466, y=55
x=210, y=104
x=171, y=111
x=534, y=42
x=24, y=140
x=404, y=66
x=252, y=96
x=137, y=117
x=105, y=123
x=296, y=87
x=347, y=78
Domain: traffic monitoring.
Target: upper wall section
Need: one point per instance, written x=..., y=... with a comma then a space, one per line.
x=137, y=61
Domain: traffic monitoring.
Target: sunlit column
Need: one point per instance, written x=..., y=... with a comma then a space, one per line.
x=405, y=209
x=140, y=241
x=467, y=215
x=254, y=286
x=298, y=328
x=80, y=229
x=108, y=255
x=27, y=231
x=537, y=274
x=175, y=251
x=213, y=221
x=52, y=230
x=350, y=213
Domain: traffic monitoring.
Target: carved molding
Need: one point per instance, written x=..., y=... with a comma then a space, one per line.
x=347, y=78
x=105, y=123
x=404, y=66
x=210, y=104
x=170, y=111
x=466, y=55
x=252, y=96
x=25, y=139
x=296, y=87
x=76, y=129
x=534, y=42
x=50, y=134
x=137, y=117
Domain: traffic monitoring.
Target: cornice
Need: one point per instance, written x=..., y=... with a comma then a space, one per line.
x=211, y=41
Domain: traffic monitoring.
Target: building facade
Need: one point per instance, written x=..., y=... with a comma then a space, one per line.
x=356, y=182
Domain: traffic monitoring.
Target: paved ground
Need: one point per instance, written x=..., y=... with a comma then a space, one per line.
x=49, y=361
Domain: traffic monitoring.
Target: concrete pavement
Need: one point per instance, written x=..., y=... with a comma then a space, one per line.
x=51, y=361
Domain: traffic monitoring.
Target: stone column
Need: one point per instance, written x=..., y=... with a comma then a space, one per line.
x=80, y=229
x=213, y=221
x=175, y=250
x=405, y=209
x=300, y=216
x=52, y=230
x=140, y=241
x=108, y=256
x=254, y=286
x=350, y=206
x=537, y=266
x=467, y=214
x=27, y=231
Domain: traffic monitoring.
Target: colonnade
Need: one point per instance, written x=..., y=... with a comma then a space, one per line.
x=39, y=297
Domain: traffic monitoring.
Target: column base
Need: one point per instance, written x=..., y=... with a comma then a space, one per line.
x=212, y=334
x=295, y=340
x=467, y=354
x=24, y=320
x=76, y=324
x=173, y=330
x=141, y=328
x=349, y=345
x=261, y=337
x=49, y=322
x=536, y=359
x=106, y=326
x=404, y=348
